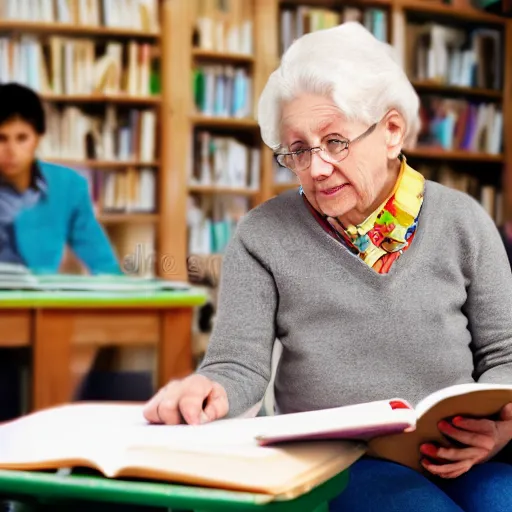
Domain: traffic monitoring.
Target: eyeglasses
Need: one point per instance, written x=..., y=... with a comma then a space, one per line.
x=335, y=150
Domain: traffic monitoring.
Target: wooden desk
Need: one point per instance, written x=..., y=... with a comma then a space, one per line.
x=55, y=322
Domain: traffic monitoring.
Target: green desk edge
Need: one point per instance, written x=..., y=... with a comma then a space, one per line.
x=50, y=487
x=59, y=299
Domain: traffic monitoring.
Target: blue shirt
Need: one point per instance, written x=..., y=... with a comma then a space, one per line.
x=11, y=203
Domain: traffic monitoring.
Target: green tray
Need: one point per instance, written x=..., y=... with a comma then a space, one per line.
x=56, y=489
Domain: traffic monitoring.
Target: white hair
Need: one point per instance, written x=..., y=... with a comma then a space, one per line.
x=348, y=64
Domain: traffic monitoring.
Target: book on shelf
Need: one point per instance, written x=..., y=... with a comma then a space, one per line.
x=224, y=27
x=456, y=124
x=57, y=65
x=116, y=134
x=222, y=91
x=453, y=56
x=133, y=14
x=284, y=455
x=212, y=220
x=304, y=19
x=222, y=161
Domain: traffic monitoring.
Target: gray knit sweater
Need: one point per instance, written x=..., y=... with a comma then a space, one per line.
x=442, y=316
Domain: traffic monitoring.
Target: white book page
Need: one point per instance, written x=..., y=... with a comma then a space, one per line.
x=354, y=421
x=460, y=389
x=81, y=431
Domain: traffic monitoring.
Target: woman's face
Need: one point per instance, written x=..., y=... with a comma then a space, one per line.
x=352, y=188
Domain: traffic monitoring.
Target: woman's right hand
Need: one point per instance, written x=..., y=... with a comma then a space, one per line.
x=193, y=400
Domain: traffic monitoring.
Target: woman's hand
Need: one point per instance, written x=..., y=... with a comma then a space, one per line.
x=193, y=400
x=482, y=440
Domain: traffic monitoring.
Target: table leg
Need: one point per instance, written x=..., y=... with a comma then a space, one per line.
x=52, y=379
x=175, y=348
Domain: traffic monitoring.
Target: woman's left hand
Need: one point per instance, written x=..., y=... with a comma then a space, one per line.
x=482, y=438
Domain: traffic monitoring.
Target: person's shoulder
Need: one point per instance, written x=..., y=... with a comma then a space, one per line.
x=273, y=213
x=459, y=211
x=58, y=172
x=455, y=203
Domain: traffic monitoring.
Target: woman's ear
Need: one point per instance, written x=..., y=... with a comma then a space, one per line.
x=394, y=124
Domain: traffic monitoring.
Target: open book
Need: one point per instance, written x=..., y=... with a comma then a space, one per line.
x=282, y=455
x=393, y=429
x=115, y=439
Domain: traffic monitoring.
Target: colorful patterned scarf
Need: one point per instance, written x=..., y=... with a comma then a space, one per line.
x=389, y=231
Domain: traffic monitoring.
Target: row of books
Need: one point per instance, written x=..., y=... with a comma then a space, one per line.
x=304, y=19
x=133, y=14
x=224, y=161
x=129, y=191
x=459, y=124
x=454, y=56
x=224, y=91
x=224, y=25
x=487, y=194
x=63, y=65
x=211, y=221
x=119, y=134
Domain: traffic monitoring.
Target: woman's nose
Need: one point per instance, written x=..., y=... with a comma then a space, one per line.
x=319, y=167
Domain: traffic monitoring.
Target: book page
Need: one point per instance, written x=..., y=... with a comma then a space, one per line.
x=359, y=421
x=452, y=391
x=79, y=431
x=101, y=433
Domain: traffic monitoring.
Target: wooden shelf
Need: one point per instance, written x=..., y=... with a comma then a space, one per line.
x=456, y=12
x=283, y=187
x=128, y=218
x=441, y=154
x=202, y=189
x=441, y=88
x=224, y=122
x=223, y=57
x=52, y=28
x=102, y=98
x=101, y=164
x=335, y=4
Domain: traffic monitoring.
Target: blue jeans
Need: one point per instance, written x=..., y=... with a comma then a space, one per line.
x=382, y=486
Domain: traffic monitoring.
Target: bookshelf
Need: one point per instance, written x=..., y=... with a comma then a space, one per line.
x=97, y=65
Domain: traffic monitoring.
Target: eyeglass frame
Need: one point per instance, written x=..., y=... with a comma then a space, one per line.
x=316, y=149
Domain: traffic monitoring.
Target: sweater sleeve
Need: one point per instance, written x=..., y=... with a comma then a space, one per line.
x=489, y=303
x=240, y=348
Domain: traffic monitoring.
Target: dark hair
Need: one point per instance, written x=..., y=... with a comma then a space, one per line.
x=19, y=101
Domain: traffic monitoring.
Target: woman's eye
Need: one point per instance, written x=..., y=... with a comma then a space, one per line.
x=336, y=144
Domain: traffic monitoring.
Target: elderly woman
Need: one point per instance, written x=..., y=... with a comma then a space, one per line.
x=376, y=282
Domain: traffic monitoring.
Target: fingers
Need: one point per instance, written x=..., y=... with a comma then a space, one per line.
x=447, y=470
x=506, y=412
x=481, y=426
x=474, y=439
x=183, y=402
x=191, y=402
x=442, y=454
x=217, y=403
x=151, y=409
